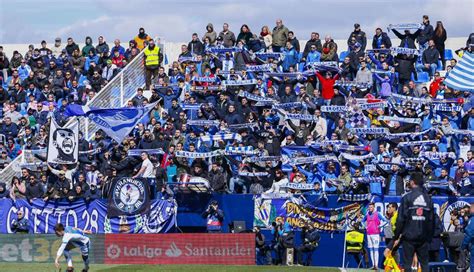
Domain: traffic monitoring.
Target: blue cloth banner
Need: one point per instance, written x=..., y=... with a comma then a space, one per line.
x=117, y=122
x=87, y=215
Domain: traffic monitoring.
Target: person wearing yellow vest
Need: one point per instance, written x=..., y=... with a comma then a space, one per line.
x=355, y=245
x=153, y=59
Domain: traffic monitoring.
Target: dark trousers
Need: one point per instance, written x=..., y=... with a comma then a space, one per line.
x=301, y=251
x=148, y=74
x=421, y=250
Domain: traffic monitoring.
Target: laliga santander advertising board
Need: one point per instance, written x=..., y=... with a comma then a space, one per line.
x=236, y=249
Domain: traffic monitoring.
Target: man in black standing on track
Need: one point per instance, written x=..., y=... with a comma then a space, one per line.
x=415, y=224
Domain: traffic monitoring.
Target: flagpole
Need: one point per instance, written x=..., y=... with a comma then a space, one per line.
x=344, y=252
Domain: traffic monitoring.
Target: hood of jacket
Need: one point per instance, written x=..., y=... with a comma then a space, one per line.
x=88, y=41
x=211, y=27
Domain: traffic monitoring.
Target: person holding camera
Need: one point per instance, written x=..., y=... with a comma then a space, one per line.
x=468, y=241
x=263, y=255
x=310, y=238
x=214, y=216
x=20, y=224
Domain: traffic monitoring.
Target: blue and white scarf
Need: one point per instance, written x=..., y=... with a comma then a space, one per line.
x=254, y=97
x=244, y=125
x=196, y=106
x=204, y=79
x=375, y=131
x=209, y=88
x=195, y=155
x=305, y=117
x=415, y=143
x=264, y=158
x=221, y=137
x=352, y=157
x=291, y=105
x=287, y=75
x=405, y=51
x=239, y=82
x=187, y=59
x=138, y=152
x=203, y=123
x=268, y=55
x=298, y=186
x=412, y=99
x=240, y=150
x=350, y=148
x=408, y=134
x=399, y=119
x=259, y=68
x=461, y=131
x=334, y=109
x=368, y=179
x=437, y=155
x=326, y=143
x=354, y=198
x=310, y=160
x=407, y=26
x=252, y=174
x=346, y=84
x=446, y=107
x=375, y=105
x=223, y=50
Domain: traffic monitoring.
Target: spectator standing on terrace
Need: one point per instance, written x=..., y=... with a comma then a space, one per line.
x=426, y=33
x=359, y=35
x=210, y=33
x=71, y=46
x=294, y=41
x=142, y=39
x=266, y=36
x=329, y=50
x=227, y=36
x=153, y=59
x=195, y=46
x=245, y=34
x=313, y=41
x=381, y=39
x=439, y=38
x=279, y=36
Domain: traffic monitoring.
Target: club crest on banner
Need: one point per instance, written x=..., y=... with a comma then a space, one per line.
x=447, y=212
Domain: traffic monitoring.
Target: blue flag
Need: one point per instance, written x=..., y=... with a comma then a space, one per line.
x=117, y=122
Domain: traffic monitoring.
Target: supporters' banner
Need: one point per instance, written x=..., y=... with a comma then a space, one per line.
x=223, y=50
x=412, y=99
x=240, y=150
x=431, y=155
x=92, y=216
x=286, y=106
x=298, y=214
x=138, y=152
x=297, y=116
x=182, y=248
x=63, y=143
x=407, y=26
x=354, y=198
x=348, y=84
x=203, y=123
x=221, y=137
x=129, y=196
x=204, y=79
x=117, y=122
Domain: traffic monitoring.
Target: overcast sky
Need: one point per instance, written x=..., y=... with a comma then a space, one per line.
x=30, y=21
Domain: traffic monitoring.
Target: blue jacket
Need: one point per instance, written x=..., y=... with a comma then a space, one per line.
x=291, y=58
x=313, y=56
x=468, y=234
x=89, y=60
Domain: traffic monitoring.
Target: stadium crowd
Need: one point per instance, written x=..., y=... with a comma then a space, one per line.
x=257, y=96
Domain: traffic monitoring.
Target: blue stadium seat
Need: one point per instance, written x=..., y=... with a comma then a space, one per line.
x=422, y=77
x=440, y=66
x=448, y=54
x=343, y=55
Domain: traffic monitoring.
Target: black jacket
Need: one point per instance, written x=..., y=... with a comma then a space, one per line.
x=426, y=34
x=416, y=217
x=409, y=39
x=360, y=38
x=385, y=41
x=430, y=56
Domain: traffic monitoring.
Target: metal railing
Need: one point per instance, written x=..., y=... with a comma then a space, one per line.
x=115, y=94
